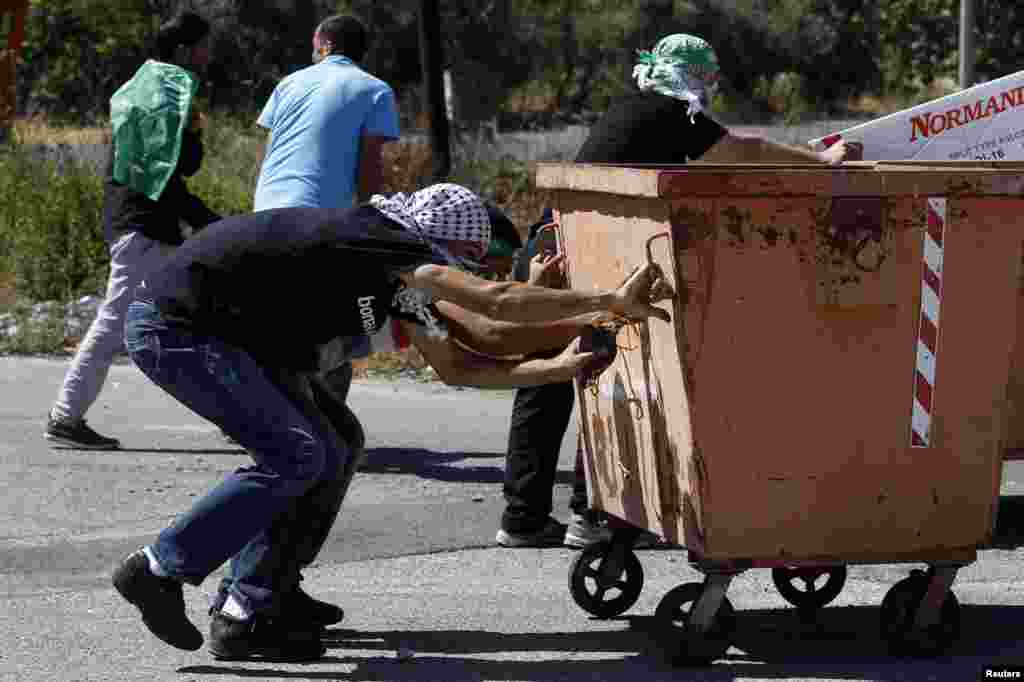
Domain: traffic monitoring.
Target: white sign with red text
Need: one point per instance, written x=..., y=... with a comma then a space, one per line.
x=982, y=123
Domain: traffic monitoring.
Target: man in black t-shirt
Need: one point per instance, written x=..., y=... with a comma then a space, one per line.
x=229, y=326
x=664, y=123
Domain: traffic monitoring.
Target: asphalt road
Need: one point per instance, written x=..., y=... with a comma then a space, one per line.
x=411, y=559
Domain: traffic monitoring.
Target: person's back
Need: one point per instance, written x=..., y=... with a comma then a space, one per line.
x=663, y=123
x=318, y=116
x=649, y=128
x=327, y=123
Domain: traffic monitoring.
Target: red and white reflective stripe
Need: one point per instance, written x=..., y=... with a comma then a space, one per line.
x=928, y=331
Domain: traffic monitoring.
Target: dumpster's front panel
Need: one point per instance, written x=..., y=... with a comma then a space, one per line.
x=631, y=461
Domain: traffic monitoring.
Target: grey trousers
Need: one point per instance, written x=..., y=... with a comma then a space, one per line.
x=132, y=257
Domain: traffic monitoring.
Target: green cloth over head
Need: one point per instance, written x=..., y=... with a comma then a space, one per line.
x=680, y=66
x=148, y=115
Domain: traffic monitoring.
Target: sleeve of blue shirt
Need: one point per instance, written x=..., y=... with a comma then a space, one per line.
x=383, y=117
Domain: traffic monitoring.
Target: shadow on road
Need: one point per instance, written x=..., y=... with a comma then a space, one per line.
x=769, y=644
x=442, y=466
x=157, y=451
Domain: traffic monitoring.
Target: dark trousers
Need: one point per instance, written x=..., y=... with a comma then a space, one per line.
x=540, y=417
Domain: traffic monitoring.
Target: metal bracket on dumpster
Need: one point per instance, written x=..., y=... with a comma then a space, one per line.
x=650, y=254
x=553, y=228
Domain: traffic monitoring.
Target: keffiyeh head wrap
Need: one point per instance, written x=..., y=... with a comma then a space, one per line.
x=441, y=213
x=680, y=66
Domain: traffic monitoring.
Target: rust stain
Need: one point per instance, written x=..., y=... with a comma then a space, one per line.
x=736, y=221
x=743, y=231
x=690, y=226
x=964, y=187
x=601, y=457
x=771, y=235
x=854, y=239
x=695, y=236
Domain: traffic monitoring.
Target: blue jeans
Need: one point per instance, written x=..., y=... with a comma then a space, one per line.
x=270, y=518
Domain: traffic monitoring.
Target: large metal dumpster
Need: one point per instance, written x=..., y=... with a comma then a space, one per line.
x=832, y=388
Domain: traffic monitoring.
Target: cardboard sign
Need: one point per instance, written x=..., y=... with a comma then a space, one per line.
x=982, y=123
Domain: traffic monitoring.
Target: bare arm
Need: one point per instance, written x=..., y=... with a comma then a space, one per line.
x=734, y=149
x=515, y=302
x=266, y=146
x=494, y=337
x=457, y=366
x=370, y=175
x=262, y=157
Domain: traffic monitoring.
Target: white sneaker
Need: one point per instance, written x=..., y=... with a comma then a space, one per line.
x=583, y=532
x=551, y=535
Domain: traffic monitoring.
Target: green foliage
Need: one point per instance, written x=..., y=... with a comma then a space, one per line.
x=77, y=52
x=51, y=228
x=568, y=56
x=231, y=164
x=921, y=40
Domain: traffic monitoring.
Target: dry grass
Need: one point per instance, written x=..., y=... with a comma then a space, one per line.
x=38, y=130
x=8, y=294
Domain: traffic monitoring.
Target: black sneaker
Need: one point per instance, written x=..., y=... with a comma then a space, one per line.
x=302, y=608
x=75, y=433
x=161, y=601
x=263, y=638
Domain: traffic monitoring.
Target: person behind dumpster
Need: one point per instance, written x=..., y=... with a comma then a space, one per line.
x=327, y=125
x=145, y=197
x=229, y=326
x=505, y=246
x=663, y=122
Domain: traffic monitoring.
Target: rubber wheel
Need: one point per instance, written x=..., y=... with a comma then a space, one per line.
x=803, y=586
x=682, y=646
x=604, y=601
x=899, y=609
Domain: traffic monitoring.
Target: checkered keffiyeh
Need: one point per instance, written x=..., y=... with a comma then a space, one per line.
x=440, y=213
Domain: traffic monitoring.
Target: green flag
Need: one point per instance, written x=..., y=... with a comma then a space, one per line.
x=148, y=115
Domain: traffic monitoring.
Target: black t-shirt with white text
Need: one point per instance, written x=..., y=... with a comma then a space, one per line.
x=280, y=282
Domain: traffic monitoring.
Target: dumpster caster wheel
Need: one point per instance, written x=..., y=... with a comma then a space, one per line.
x=809, y=587
x=899, y=611
x=601, y=595
x=680, y=644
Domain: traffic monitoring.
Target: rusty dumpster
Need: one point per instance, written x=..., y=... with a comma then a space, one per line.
x=832, y=389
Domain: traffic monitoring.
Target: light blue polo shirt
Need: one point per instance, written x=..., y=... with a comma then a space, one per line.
x=316, y=117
